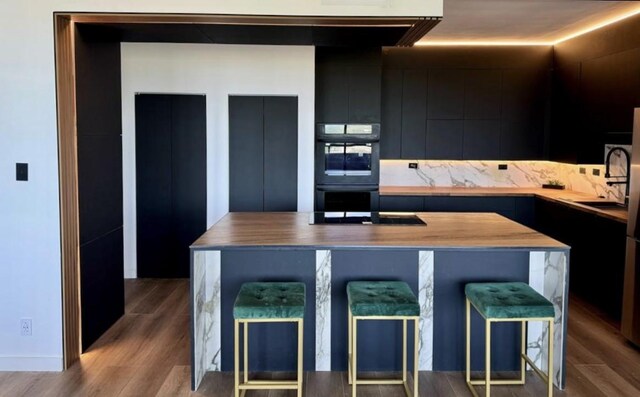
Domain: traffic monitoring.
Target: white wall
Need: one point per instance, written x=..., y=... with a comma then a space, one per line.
x=216, y=71
x=29, y=215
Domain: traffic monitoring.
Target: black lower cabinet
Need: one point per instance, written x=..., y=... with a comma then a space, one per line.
x=597, y=253
x=519, y=209
x=170, y=181
x=597, y=243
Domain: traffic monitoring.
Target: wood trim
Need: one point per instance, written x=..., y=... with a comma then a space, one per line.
x=270, y=20
x=68, y=180
x=417, y=31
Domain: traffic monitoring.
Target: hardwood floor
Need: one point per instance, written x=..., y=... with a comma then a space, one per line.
x=146, y=353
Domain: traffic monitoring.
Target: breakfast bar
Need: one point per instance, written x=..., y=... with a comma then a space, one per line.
x=436, y=254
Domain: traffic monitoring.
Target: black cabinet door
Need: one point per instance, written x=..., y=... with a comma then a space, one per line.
x=280, y=153
x=414, y=114
x=365, y=85
x=391, y=134
x=482, y=94
x=263, y=153
x=170, y=181
x=445, y=139
x=246, y=153
x=446, y=94
x=481, y=140
x=402, y=203
x=188, y=175
x=332, y=92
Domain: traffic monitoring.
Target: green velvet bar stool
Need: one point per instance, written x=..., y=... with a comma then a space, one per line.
x=267, y=303
x=507, y=302
x=382, y=300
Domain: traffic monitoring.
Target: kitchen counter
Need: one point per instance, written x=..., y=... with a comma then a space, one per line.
x=444, y=230
x=566, y=197
x=436, y=260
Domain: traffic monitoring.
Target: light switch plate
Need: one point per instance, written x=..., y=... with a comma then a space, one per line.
x=22, y=172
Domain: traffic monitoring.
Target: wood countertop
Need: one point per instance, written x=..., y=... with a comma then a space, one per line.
x=567, y=197
x=443, y=230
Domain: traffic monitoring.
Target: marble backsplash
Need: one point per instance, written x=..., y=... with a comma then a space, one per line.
x=457, y=173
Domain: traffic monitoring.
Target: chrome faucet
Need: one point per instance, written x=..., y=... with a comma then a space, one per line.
x=607, y=173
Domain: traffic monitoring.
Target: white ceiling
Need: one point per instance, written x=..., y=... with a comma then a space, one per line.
x=544, y=21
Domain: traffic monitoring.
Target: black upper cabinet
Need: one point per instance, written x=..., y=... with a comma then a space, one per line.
x=391, y=134
x=414, y=114
x=446, y=94
x=449, y=104
x=596, y=86
x=332, y=92
x=348, y=85
x=481, y=140
x=445, y=139
x=482, y=94
x=365, y=87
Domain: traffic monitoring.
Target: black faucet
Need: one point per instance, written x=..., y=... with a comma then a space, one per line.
x=607, y=173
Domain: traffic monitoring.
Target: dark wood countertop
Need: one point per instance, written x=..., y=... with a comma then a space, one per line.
x=567, y=197
x=443, y=230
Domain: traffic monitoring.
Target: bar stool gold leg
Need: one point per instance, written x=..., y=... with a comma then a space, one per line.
x=354, y=357
x=350, y=345
x=550, y=369
x=246, y=352
x=487, y=358
x=416, y=348
x=300, y=355
x=523, y=351
x=236, y=358
x=404, y=350
x=468, y=342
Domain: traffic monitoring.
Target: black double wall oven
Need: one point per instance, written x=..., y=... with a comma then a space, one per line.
x=347, y=167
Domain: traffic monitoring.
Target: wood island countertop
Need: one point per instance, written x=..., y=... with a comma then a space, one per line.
x=443, y=230
x=568, y=198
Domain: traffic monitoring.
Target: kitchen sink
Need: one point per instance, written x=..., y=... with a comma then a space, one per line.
x=604, y=205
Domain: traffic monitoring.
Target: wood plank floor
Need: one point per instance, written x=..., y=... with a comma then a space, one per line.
x=146, y=353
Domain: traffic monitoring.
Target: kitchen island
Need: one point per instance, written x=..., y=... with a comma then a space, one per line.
x=436, y=260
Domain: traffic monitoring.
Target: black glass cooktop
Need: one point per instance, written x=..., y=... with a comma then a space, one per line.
x=365, y=218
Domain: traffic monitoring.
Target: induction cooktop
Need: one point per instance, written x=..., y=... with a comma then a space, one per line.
x=365, y=218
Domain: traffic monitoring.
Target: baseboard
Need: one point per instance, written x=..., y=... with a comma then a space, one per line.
x=37, y=364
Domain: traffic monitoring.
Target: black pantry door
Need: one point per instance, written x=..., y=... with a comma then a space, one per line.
x=170, y=181
x=263, y=153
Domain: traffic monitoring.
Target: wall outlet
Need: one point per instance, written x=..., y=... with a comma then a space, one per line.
x=413, y=166
x=596, y=172
x=25, y=327
x=583, y=170
x=503, y=166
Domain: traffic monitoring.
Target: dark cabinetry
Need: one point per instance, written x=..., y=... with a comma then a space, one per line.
x=171, y=183
x=348, y=85
x=596, y=86
x=458, y=114
x=519, y=209
x=597, y=253
x=263, y=153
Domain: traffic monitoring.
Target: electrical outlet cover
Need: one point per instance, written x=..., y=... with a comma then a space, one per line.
x=25, y=327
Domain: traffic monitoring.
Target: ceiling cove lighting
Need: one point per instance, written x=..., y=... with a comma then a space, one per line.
x=575, y=34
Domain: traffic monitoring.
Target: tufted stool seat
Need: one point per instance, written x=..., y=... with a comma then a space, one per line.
x=267, y=303
x=270, y=300
x=382, y=300
x=508, y=302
